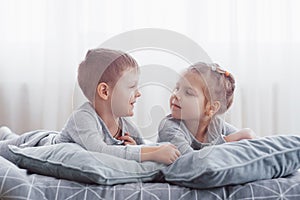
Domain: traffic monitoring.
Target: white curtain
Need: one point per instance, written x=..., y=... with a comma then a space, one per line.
x=42, y=43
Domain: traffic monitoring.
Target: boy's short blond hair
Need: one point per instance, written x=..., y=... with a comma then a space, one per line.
x=102, y=65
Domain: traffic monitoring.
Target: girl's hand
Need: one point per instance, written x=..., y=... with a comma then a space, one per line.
x=249, y=134
x=127, y=139
x=242, y=134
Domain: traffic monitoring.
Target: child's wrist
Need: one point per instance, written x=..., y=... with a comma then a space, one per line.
x=147, y=154
x=225, y=138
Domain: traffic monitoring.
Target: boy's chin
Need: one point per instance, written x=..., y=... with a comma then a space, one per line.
x=127, y=114
x=130, y=113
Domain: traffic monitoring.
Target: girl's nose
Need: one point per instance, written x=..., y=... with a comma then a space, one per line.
x=176, y=95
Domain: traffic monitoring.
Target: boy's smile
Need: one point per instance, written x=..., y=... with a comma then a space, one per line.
x=125, y=93
x=133, y=103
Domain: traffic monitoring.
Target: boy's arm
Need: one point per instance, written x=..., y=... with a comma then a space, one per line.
x=166, y=153
x=132, y=130
x=85, y=132
x=83, y=128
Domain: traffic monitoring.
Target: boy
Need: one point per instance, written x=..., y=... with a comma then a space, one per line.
x=109, y=80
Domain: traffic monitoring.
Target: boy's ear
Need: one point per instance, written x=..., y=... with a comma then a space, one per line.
x=213, y=108
x=103, y=91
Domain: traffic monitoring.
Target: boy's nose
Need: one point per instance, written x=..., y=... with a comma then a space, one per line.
x=137, y=94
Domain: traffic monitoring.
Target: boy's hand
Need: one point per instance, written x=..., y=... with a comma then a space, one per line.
x=166, y=153
x=127, y=139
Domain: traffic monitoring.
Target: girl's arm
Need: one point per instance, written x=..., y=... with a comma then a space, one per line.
x=245, y=133
x=171, y=131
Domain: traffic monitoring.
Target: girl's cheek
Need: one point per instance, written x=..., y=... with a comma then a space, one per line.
x=194, y=106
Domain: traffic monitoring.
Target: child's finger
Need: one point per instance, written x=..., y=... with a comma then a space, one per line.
x=127, y=140
x=172, y=145
x=178, y=153
x=125, y=137
x=169, y=145
x=174, y=158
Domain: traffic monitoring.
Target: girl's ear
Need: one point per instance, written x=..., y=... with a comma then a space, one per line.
x=103, y=91
x=212, y=108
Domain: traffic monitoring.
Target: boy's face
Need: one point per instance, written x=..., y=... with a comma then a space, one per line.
x=125, y=93
x=187, y=101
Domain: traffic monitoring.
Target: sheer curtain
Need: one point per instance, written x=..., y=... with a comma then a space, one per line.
x=42, y=43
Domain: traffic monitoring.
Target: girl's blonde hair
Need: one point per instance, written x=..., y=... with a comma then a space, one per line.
x=218, y=84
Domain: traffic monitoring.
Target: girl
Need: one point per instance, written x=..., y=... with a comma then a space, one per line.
x=201, y=96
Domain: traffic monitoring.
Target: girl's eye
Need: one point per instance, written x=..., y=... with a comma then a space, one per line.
x=176, y=89
x=189, y=92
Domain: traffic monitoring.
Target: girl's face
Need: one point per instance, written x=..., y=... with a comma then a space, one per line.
x=188, y=100
x=125, y=93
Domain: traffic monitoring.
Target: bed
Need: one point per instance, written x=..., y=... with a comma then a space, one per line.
x=258, y=169
x=17, y=183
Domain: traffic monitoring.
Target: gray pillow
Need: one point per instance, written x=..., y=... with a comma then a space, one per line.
x=214, y=166
x=70, y=161
x=236, y=162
